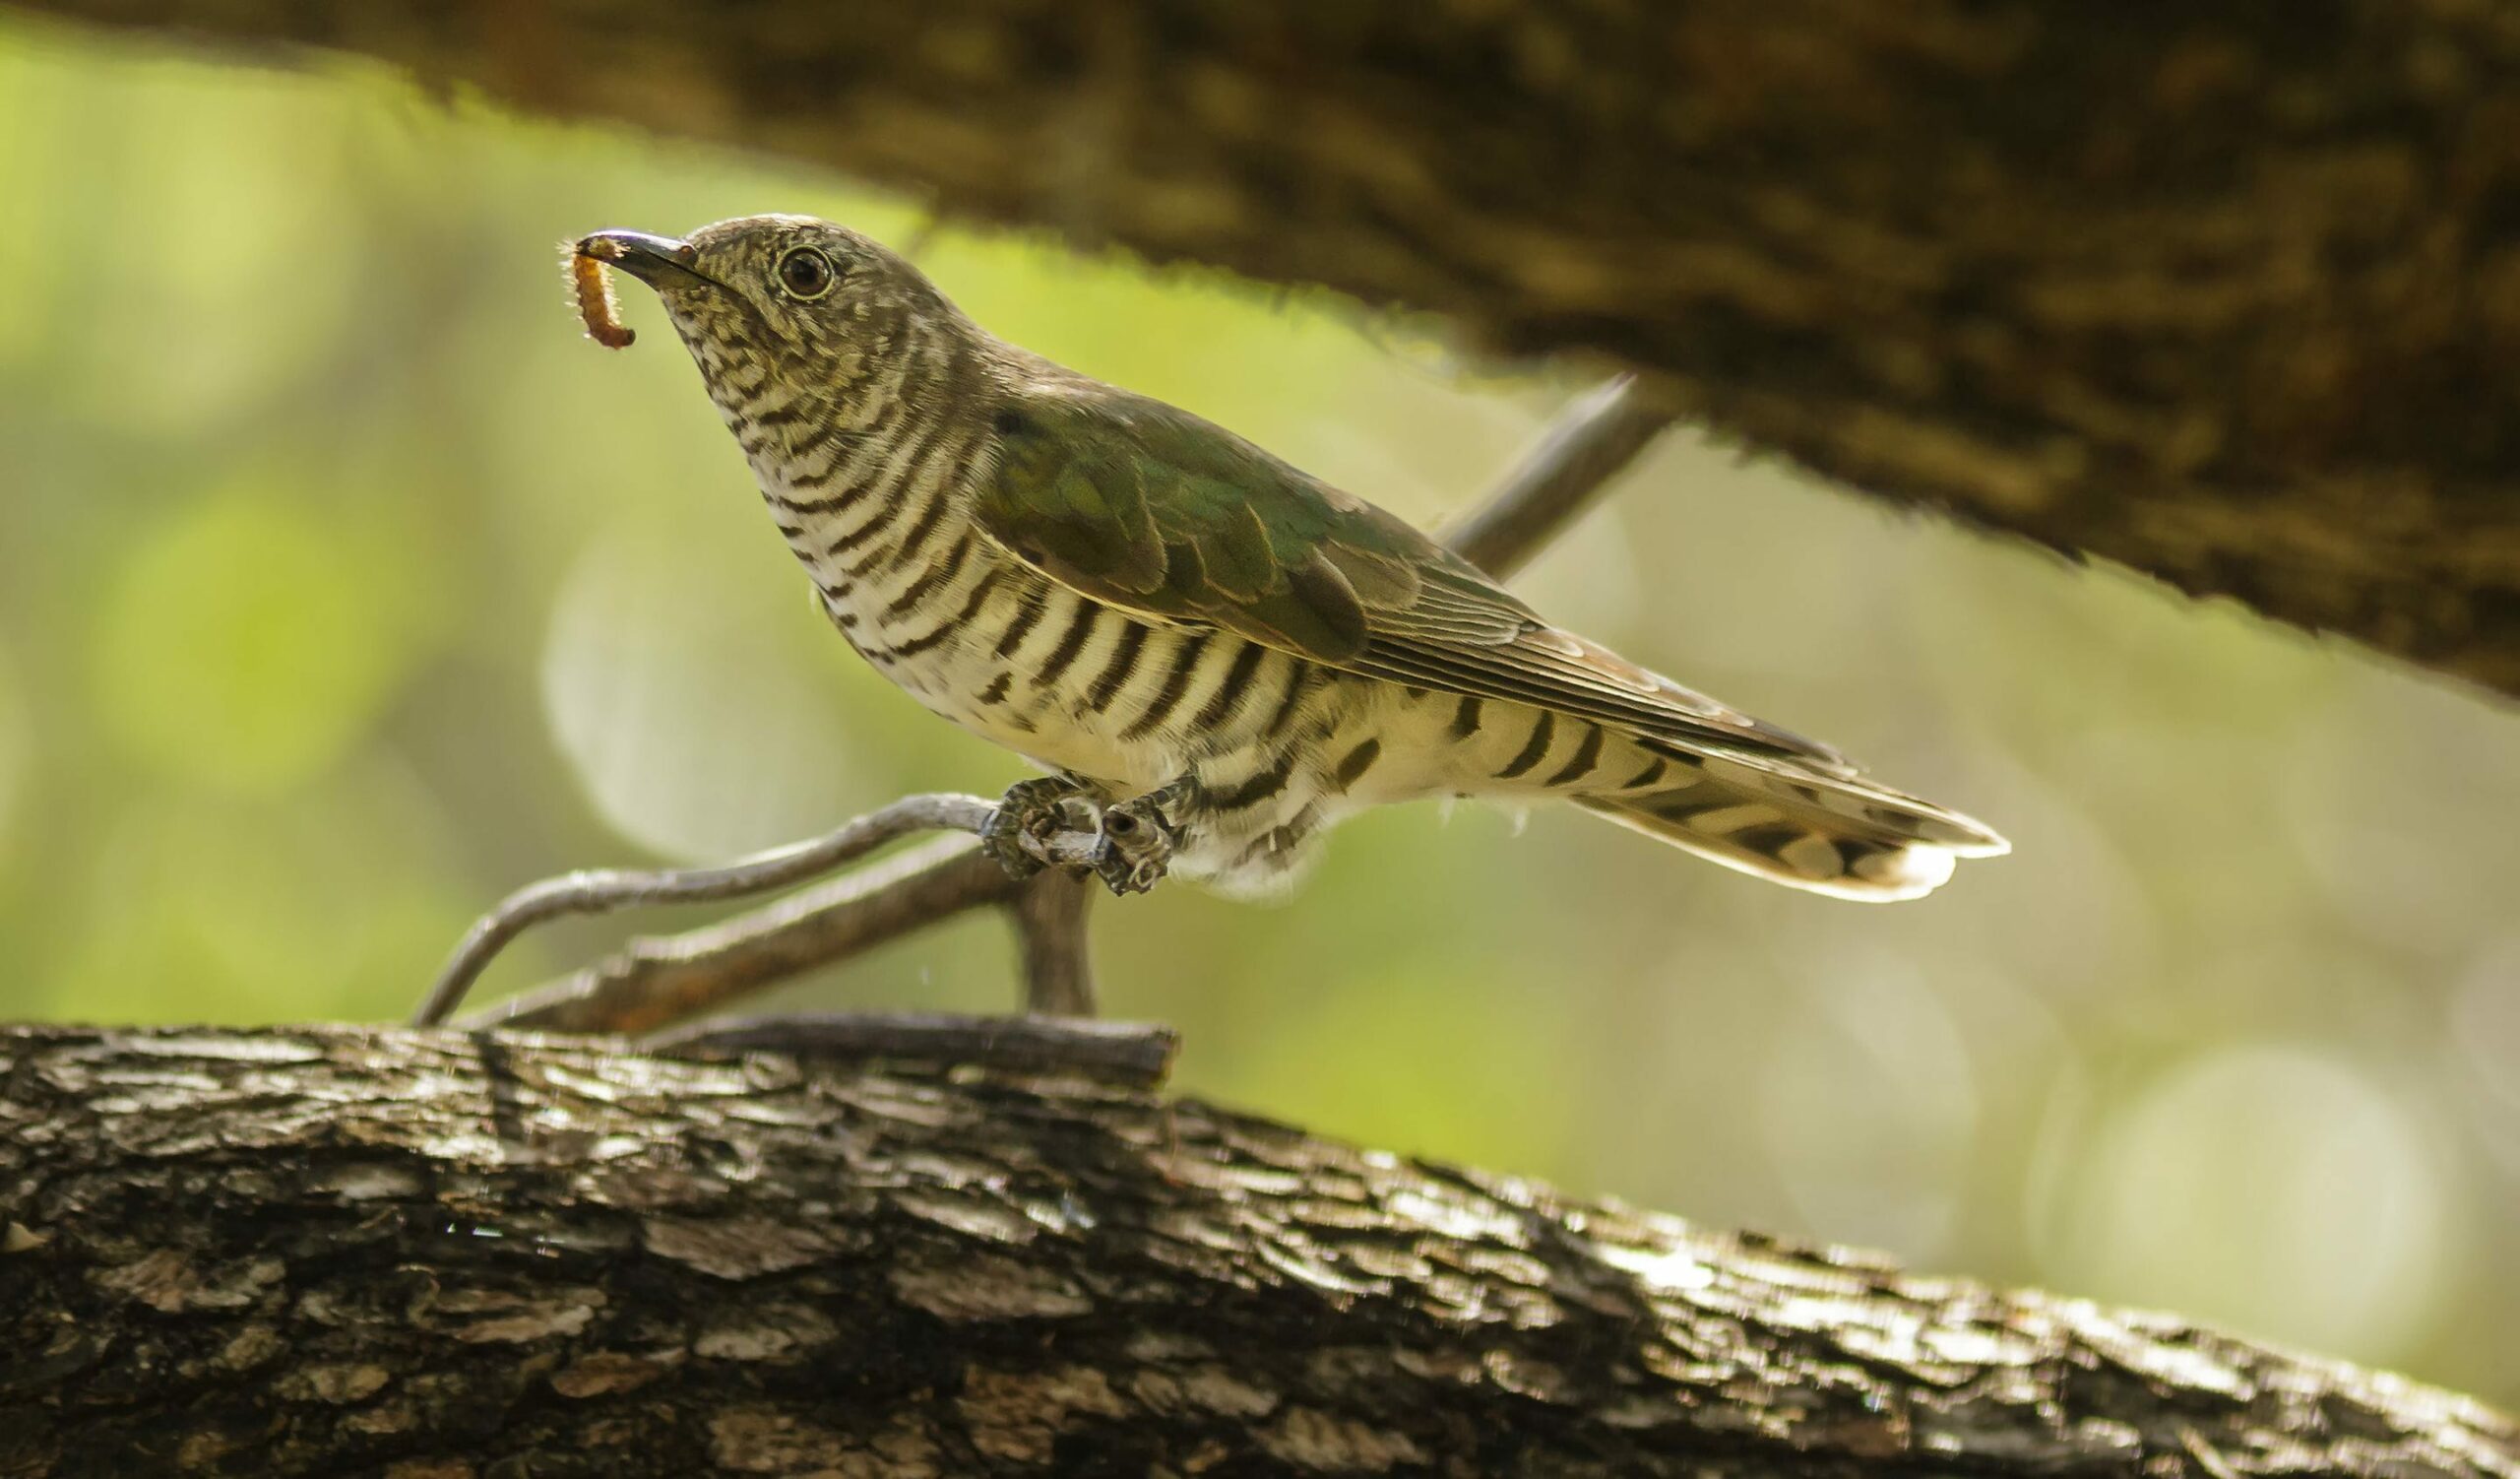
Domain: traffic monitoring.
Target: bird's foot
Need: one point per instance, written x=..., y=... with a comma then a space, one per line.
x=1018, y=832
x=1138, y=838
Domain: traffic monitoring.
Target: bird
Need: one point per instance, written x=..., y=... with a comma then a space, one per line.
x=1218, y=655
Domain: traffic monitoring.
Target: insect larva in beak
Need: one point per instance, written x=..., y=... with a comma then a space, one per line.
x=596, y=303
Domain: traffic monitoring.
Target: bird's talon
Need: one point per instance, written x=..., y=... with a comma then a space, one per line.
x=1136, y=847
x=1004, y=842
x=1032, y=811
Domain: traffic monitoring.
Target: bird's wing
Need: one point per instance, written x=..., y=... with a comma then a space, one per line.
x=1149, y=508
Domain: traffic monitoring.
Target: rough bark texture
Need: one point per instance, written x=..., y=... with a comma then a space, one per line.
x=328, y=1251
x=2228, y=291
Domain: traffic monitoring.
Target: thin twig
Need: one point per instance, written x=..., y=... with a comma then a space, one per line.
x=1599, y=433
x=605, y=890
x=654, y=981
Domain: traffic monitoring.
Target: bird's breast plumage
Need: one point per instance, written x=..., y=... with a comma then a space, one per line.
x=880, y=520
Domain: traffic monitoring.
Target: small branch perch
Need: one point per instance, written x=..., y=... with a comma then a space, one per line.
x=604, y=890
x=656, y=981
x=424, y=1254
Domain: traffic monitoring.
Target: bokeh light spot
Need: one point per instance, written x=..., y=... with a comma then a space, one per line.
x=328, y=902
x=243, y=644
x=17, y=749
x=1331, y=1059
x=1868, y=1106
x=2485, y=1042
x=697, y=731
x=2274, y=1190
x=248, y=288
x=2385, y=812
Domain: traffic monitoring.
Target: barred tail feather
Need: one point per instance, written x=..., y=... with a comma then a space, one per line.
x=1831, y=833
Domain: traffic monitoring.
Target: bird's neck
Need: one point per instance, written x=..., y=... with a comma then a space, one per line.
x=869, y=479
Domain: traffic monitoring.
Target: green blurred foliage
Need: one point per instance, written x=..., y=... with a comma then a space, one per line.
x=344, y=586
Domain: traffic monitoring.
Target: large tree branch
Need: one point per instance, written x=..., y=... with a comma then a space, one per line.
x=2226, y=291
x=323, y=1252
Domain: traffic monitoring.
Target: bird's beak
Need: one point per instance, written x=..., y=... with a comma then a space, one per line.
x=653, y=260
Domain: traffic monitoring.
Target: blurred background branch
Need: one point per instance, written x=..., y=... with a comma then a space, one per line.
x=427, y=1253
x=2224, y=291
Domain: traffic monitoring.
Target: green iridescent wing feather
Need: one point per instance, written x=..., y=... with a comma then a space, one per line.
x=1151, y=509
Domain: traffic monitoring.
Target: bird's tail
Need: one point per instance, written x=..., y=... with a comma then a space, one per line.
x=1827, y=830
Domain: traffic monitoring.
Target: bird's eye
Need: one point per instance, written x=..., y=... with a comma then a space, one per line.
x=806, y=273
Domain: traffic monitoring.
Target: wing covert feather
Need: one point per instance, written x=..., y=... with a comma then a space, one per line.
x=1137, y=504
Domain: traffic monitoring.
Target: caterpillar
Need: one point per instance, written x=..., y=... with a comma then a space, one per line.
x=596, y=303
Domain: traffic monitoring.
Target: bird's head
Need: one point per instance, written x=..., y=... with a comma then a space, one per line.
x=781, y=298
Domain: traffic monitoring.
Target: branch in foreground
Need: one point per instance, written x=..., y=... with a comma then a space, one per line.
x=654, y=982
x=320, y=1252
x=2223, y=290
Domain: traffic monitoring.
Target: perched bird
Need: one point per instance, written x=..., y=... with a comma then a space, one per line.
x=1219, y=653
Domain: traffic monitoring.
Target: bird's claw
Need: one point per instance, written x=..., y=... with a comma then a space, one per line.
x=1030, y=814
x=1135, y=848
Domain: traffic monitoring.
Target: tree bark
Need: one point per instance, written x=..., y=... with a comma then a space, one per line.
x=438, y=1255
x=2226, y=291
